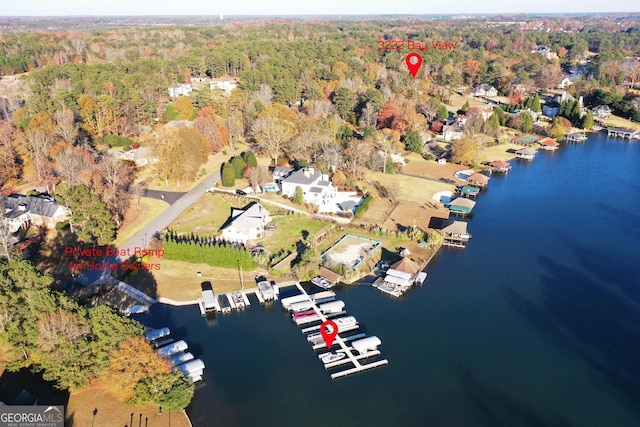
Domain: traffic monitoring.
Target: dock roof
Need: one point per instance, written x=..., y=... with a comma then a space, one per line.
x=454, y=227
x=406, y=265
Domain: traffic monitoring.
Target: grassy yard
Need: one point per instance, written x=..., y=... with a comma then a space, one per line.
x=111, y=412
x=206, y=216
x=137, y=217
x=410, y=188
x=290, y=229
x=619, y=122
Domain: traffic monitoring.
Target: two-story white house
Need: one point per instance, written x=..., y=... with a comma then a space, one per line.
x=484, y=90
x=180, y=90
x=225, y=84
x=246, y=224
x=316, y=187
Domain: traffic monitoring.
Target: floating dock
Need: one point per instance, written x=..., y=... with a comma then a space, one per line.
x=355, y=356
x=175, y=352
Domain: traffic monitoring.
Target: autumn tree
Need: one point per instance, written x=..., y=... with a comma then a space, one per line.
x=116, y=176
x=184, y=108
x=75, y=166
x=557, y=129
x=9, y=167
x=66, y=127
x=131, y=361
x=209, y=130
x=464, y=151
x=181, y=152
x=273, y=128
x=588, y=122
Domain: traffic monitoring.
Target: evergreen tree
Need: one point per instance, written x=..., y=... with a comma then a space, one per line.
x=575, y=113
x=413, y=141
x=492, y=125
x=527, y=122
x=90, y=219
x=588, y=122
x=249, y=158
x=499, y=112
x=298, y=196
x=464, y=107
x=443, y=113
x=238, y=166
x=562, y=111
x=535, y=104
x=228, y=175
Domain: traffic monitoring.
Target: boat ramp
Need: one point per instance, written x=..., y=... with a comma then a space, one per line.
x=349, y=354
x=175, y=352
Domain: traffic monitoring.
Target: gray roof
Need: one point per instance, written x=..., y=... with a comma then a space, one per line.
x=454, y=227
x=304, y=176
x=526, y=150
x=245, y=219
x=463, y=202
x=41, y=206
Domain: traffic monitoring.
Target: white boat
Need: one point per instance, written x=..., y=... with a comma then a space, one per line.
x=315, y=338
x=332, y=357
x=345, y=322
x=321, y=282
x=237, y=299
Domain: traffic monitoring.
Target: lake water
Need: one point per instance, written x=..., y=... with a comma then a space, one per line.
x=535, y=323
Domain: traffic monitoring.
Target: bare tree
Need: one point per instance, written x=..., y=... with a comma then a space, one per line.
x=7, y=240
x=137, y=190
x=53, y=326
x=235, y=125
x=319, y=110
x=252, y=173
x=333, y=156
x=264, y=95
x=369, y=115
x=632, y=70
x=271, y=134
x=72, y=164
x=116, y=177
x=210, y=132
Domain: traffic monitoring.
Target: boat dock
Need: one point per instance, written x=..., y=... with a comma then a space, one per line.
x=176, y=353
x=351, y=351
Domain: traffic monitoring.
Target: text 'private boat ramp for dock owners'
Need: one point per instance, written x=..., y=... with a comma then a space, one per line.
x=341, y=347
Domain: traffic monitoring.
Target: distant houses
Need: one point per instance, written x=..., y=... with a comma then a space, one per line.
x=564, y=83
x=246, y=224
x=484, y=90
x=180, y=90
x=24, y=211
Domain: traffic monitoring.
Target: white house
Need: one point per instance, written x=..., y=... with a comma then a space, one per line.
x=602, y=111
x=180, y=90
x=452, y=132
x=316, y=187
x=246, y=224
x=226, y=84
x=23, y=211
x=565, y=83
x=484, y=90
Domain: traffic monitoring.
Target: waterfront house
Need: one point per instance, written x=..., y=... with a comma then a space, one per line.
x=500, y=166
x=24, y=211
x=246, y=224
x=526, y=153
x=478, y=180
x=602, y=111
x=564, y=83
x=484, y=90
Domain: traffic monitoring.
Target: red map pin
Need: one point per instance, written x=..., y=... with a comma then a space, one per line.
x=414, y=61
x=331, y=334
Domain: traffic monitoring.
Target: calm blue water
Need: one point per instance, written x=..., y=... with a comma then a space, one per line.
x=535, y=323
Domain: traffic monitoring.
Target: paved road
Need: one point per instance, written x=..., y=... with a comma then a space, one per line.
x=168, y=196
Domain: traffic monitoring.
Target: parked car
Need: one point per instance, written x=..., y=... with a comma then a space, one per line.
x=241, y=193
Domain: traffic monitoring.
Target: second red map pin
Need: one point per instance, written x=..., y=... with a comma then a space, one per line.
x=414, y=61
x=329, y=330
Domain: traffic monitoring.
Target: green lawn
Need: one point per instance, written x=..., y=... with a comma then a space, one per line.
x=206, y=216
x=138, y=217
x=290, y=229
